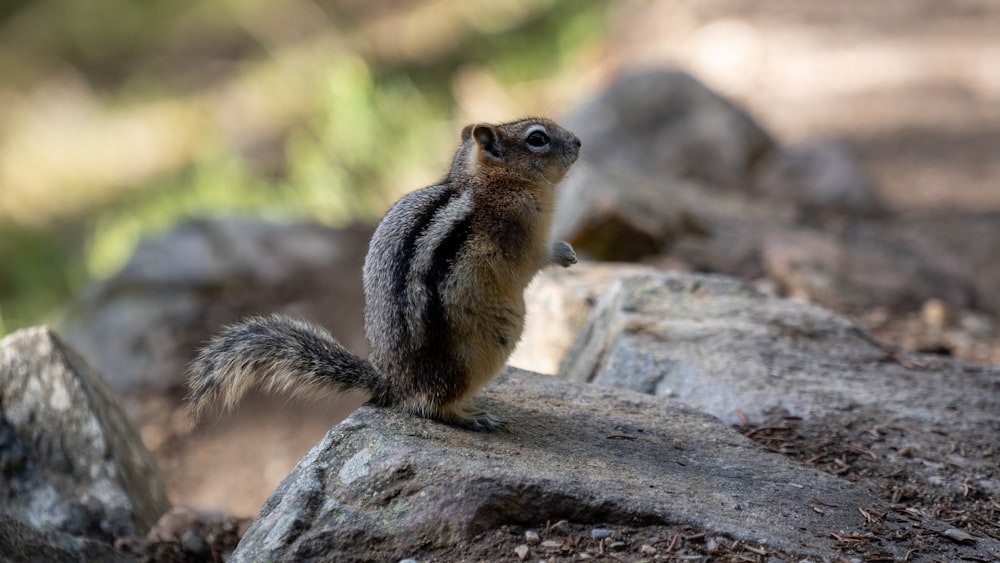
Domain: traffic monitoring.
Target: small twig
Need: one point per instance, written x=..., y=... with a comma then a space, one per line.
x=780, y=426
x=863, y=450
x=743, y=418
x=871, y=516
x=825, y=502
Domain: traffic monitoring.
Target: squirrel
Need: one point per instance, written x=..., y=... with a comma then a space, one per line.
x=444, y=282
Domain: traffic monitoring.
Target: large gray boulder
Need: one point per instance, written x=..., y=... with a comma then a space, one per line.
x=647, y=138
x=722, y=347
x=667, y=124
x=384, y=485
x=70, y=457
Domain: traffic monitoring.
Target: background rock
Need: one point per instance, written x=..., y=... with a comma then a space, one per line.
x=21, y=542
x=735, y=223
x=178, y=289
x=810, y=223
x=70, y=457
x=664, y=123
x=613, y=214
x=820, y=176
x=393, y=486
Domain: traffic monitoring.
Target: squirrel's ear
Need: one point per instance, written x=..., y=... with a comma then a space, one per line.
x=488, y=140
x=467, y=132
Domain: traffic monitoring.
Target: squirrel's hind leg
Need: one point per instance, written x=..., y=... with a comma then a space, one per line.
x=467, y=418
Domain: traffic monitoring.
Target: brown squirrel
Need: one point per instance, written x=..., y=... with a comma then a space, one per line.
x=444, y=284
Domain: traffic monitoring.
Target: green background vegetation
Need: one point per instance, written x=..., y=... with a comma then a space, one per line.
x=120, y=119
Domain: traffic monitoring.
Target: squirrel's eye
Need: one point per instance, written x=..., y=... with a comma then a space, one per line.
x=538, y=139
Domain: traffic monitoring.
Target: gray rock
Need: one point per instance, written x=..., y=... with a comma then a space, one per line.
x=820, y=176
x=600, y=533
x=141, y=327
x=383, y=485
x=664, y=124
x=609, y=213
x=719, y=344
x=735, y=223
x=653, y=142
x=558, y=302
x=71, y=459
x=724, y=348
x=20, y=542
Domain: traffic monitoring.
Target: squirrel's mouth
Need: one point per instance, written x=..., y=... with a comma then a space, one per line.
x=570, y=155
x=571, y=151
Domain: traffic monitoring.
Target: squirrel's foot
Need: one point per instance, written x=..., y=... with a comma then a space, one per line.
x=562, y=253
x=471, y=419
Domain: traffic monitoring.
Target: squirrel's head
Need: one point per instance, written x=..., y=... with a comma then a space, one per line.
x=532, y=149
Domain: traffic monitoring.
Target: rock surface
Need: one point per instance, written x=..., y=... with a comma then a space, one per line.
x=140, y=327
x=558, y=302
x=384, y=485
x=722, y=347
x=70, y=457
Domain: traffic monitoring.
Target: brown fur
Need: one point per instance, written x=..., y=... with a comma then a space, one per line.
x=444, y=287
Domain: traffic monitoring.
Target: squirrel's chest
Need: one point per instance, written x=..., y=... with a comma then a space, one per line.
x=514, y=238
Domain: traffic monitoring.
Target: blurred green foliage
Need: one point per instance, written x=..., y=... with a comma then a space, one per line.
x=372, y=125
x=37, y=273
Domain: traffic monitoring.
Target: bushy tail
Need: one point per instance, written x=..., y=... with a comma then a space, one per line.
x=279, y=355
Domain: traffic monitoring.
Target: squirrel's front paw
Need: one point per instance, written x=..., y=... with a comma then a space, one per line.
x=563, y=254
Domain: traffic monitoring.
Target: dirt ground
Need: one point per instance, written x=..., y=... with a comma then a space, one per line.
x=912, y=86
